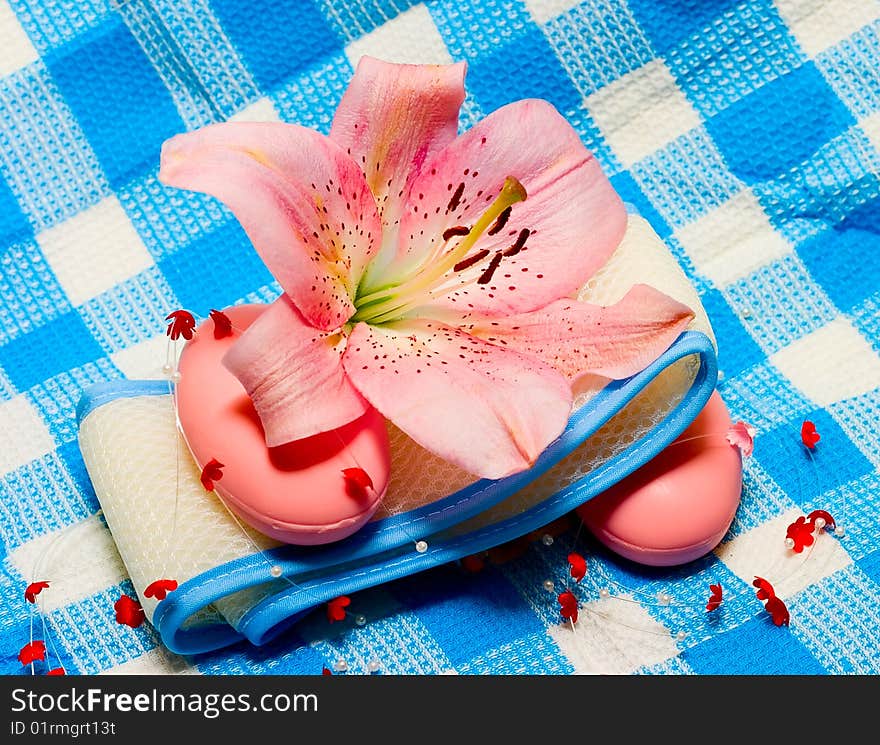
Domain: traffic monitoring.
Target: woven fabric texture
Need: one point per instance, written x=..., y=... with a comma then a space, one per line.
x=746, y=133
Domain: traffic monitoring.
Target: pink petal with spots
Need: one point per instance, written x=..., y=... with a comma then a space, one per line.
x=487, y=409
x=550, y=244
x=742, y=436
x=391, y=119
x=302, y=201
x=581, y=338
x=294, y=375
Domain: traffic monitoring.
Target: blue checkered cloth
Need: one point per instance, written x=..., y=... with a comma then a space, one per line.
x=747, y=133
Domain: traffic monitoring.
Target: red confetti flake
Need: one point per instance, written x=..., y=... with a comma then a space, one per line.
x=774, y=605
x=809, y=435
x=473, y=563
x=213, y=471
x=357, y=480
x=34, y=589
x=57, y=671
x=336, y=608
x=34, y=651
x=181, y=323
x=765, y=589
x=222, y=324
x=715, y=598
x=128, y=612
x=578, y=566
x=742, y=436
x=568, y=606
x=326, y=671
x=778, y=612
x=801, y=534
x=160, y=588
x=830, y=523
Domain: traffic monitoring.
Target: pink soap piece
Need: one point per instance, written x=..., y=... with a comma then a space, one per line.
x=297, y=492
x=678, y=506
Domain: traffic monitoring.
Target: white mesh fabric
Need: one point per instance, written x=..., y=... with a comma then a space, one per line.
x=143, y=474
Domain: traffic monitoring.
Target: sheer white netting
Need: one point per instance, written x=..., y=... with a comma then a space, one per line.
x=166, y=525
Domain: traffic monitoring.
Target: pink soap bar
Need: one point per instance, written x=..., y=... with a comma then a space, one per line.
x=678, y=506
x=295, y=493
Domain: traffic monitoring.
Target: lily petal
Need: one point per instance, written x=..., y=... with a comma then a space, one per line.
x=550, y=244
x=391, y=119
x=302, y=201
x=487, y=409
x=581, y=338
x=294, y=376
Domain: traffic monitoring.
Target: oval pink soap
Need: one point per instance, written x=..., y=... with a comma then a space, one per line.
x=678, y=506
x=297, y=492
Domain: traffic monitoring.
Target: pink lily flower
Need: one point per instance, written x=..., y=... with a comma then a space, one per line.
x=427, y=274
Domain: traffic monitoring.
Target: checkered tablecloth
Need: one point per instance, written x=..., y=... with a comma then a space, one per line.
x=746, y=132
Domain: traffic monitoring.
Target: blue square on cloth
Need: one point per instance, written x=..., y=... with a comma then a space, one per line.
x=806, y=476
x=119, y=99
x=737, y=54
x=625, y=185
x=756, y=647
x=780, y=125
x=667, y=22
x=277, y=38
x=737, y=351
x=215, y=270
x=845, y=259
x=467, y=614
x=57, y=346
x=14, y=226
x=526, y=67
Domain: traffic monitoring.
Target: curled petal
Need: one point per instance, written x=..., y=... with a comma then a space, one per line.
x=578, y=566
x=34, y=589
x=34, y=651
x=336, y=608
x=742, y=436
x=800, y=533
x=294, y=375
x=303, y=202
x=765, y=589
x=715, y=598
x=160, y=588
x=358, y=480
x=778, y=611
x=568, y=606
x=572, y=217
x=57, y=671
x=580, y=338
x=487, y=409
x=809, y=435
x=815, y=515
x=128, y=612
x=391, y=119
x=222, y=324
x=212, y=471
x=180, y=323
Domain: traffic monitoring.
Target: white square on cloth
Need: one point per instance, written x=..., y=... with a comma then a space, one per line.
x=16, y=49
x=819, y=24
x=761, y=552
x=732, y=240
x=94, y=250
x=614, y=636
x=144, y=360
x=412, y=37
x=261, y=110
x=830, y=364
x=641, y=112
x=23, y=435
x=544, y=10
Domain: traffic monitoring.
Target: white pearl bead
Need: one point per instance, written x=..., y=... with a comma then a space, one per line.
x=341, y=665
x=421, y=546
x=373, y=666
x=603, y=593
x=167, y=370
x=721, y=376
x=839, y=531
x=789, y=542
x=275, y=571
x=547, y=539
x=664, y=598
x=548, y=585
x=820, y=523
x=680, y=636
x=176, y=376
x=360, y=620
